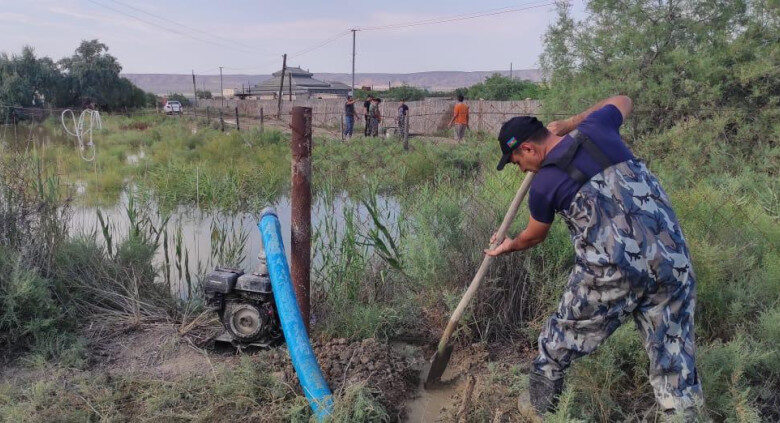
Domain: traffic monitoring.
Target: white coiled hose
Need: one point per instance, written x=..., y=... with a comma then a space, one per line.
x=88, y=121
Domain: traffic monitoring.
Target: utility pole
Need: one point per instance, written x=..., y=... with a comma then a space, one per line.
x=352, y=91
x=510, y=70
x=194, y=87
x=300, y=208
x=221, y=90
x=289, y=86
x=281, y=86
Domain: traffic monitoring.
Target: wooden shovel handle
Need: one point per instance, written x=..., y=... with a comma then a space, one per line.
x=508, y=218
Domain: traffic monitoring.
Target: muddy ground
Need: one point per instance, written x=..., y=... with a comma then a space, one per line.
x=490, y=380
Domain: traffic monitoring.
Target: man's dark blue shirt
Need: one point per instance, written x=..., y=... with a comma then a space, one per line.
x=552, y=190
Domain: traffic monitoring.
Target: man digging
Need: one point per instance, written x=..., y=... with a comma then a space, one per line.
x=631, y=259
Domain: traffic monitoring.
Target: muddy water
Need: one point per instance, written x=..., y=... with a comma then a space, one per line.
x=199, y=231
x=429, y=405
x=26, y=137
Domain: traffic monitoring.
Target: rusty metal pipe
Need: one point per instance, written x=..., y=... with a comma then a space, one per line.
x=300, y=239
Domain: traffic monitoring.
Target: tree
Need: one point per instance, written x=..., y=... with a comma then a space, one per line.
x=673, y=57
x=498, y=87
x=405, y=92
x=203, y=94
x=92, y=77
x=28, y=81
x=179, y=97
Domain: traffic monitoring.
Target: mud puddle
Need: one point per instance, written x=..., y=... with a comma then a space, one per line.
x=432, y=405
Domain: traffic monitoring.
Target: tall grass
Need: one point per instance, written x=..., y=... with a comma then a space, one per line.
x=51, y=283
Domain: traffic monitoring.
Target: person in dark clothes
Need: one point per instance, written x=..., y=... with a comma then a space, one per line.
x=376, y=116
x=403, y=112
x=366, y=107
x=631, y=258
x=349, y=117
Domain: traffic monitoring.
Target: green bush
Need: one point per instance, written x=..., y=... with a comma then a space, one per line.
x=498, y=87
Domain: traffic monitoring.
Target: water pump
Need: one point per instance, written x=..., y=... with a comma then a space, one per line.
x=245, y=305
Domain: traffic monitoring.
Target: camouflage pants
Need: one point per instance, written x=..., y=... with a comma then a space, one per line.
x=631, y=260
x=374, y=127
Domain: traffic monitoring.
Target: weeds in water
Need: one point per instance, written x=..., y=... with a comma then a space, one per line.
x=378, y=237
x=228, y=245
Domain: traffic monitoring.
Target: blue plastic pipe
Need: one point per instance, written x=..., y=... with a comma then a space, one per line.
x=302, y=355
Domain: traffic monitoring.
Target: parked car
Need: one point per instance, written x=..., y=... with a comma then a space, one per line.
x=172, y=107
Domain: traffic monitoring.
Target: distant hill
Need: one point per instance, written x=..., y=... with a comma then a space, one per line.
x=434, y=80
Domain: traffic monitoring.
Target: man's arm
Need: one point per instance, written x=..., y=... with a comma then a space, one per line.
x=533, y=234
x=563, y=127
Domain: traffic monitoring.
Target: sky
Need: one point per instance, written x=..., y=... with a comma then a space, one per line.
x=249, y=37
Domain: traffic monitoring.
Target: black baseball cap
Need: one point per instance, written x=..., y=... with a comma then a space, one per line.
x=513, y=132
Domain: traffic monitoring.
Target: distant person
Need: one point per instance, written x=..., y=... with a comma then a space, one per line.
x=376, y=116
x=460, y=118
x=403, y=113
x=366, y=115
x=349, y=116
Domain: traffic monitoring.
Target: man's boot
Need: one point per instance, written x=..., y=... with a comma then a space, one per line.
x=544, y=392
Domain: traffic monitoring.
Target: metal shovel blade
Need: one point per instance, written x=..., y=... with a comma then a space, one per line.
x=437, y=367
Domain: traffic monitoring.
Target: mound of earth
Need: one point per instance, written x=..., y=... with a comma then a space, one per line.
x=153, y=349
x=390, y=371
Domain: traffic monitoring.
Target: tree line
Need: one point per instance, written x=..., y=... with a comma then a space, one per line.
x=88, y=78
x=494, y=87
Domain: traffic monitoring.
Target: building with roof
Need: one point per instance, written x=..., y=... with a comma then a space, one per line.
x=301, y=83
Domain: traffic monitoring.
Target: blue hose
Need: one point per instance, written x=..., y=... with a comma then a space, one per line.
x=309, y=374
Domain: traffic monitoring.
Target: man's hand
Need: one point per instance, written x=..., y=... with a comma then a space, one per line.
x=506, y=246
x=533, y=234
x=560, y=127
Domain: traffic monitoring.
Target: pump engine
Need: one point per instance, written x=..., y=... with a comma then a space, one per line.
x=245, y=304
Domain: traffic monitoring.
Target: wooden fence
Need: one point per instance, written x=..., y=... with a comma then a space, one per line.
x=428, y=116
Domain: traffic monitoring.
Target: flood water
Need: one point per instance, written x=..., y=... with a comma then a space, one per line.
x=194, y=236
x=200, y=232
x=26, y=137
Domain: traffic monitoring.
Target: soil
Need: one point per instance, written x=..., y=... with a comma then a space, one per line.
x=154, y=349
x=392, y=371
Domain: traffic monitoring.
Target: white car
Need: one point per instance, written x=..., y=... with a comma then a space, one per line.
x=172, y=107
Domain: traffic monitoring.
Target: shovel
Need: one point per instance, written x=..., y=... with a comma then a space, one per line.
x=442, y=356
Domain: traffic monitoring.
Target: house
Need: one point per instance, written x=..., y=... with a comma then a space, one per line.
x=302, y=84
x=229, y=92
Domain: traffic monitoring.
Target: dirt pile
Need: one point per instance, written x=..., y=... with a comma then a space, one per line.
x=156, y=349
x=391, y=371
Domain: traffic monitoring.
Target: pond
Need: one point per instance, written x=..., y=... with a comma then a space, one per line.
x=198, y=239
x=27, y=137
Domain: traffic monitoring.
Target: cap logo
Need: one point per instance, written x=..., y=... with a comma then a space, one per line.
x=511, y=142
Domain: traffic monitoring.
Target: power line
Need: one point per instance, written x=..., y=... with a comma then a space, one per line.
x=302, y=51
x=322, y=44
x=184, y=34
x=430, y=21
x=162, y=18
x=474, y=15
